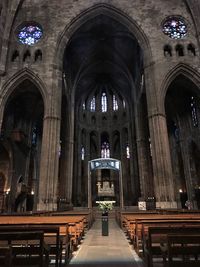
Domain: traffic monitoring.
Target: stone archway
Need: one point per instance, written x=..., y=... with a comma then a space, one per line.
x=182, y=112
x=21, y=130
x=94, y=68
x=102, y=164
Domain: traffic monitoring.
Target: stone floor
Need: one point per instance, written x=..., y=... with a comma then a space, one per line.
x=112, y=250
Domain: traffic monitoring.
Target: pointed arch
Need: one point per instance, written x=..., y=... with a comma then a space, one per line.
x=16, y=80
x=180, y=69
x=92, y=12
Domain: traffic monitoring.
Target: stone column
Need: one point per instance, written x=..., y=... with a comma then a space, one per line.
x=184, y=133
x=187, y=171
x=78, y=170
x=47, y=197
x=161, y=160
x=162, y=168
x=70, y=156
x=143, y=153
x=123, y=140
x=87, y=159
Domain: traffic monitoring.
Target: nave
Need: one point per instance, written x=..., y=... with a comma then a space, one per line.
x=112, y=250
x=78, y=238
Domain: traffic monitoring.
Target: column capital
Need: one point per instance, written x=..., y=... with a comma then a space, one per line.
x=156, y=114
x=51, y=117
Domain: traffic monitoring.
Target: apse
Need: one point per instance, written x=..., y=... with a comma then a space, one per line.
x=102, y=66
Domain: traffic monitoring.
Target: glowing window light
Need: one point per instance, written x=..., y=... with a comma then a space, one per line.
x=175, y=27
x=30, y=34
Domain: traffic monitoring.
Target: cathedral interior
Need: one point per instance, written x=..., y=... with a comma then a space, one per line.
x=115, y=83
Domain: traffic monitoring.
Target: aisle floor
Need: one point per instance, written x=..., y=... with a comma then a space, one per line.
x=112, y=250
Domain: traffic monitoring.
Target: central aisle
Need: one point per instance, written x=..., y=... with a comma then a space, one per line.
x=113, y=250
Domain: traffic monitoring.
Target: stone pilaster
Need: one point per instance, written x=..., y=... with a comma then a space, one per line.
x=143, y=153
x=69, y=168
x=47, y=197
x=194, y=8
x=162, y=168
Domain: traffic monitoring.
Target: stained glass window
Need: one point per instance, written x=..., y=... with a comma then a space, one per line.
x=124, y=104
x=92, y=104
x=175, y=27
x=103, y=102
x=194, y=112
x=127, y=152
x=82, y=153
x=105, y=150
x=34, y=136
x=30, y=34
x=115, y=103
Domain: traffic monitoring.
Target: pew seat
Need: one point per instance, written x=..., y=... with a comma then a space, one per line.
x=27, y=248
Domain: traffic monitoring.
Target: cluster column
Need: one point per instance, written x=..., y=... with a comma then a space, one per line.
x=47, y=195
x=162, y=168
x=161, y=159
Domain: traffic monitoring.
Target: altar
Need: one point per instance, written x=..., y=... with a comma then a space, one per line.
x=105, y=181
x=105, y=189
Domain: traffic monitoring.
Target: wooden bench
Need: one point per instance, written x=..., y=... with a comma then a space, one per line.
x=28, y=248
x=141, y=228
x=51, y=237
x=70, y=226
x=132, y=223
x=88, y=215
x=5, y=256
x=183, y=250
x=155, y=244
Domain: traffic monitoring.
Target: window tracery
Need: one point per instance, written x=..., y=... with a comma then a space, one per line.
x=93, y=104
x=127, y=151
x=115, y=103
x=82, y=153
x=30, y=34
x=104, y=102
x=175, y=27
x=105, y=150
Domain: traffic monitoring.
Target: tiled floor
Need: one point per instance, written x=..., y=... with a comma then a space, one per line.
x=113, y=250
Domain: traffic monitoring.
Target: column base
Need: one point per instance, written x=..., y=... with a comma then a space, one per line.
x=166, y=205
x=46, y=206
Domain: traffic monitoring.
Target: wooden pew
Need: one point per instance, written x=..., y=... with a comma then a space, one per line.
x=127, y=217
x=28, y=248
x=77, y=226
x=141, y=228
x=132, y=223
x=5, y=256
x=183, y=250
x=155, y=245
x=88, y=214
x=51, y=237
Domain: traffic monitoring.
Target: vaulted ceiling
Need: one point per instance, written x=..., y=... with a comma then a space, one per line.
x=103, y=52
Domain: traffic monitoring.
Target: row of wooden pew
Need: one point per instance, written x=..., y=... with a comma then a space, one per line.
x=26, y=240
x=171, y=238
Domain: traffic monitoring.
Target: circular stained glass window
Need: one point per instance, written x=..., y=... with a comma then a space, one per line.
x=175, y=27
x=30, y=34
